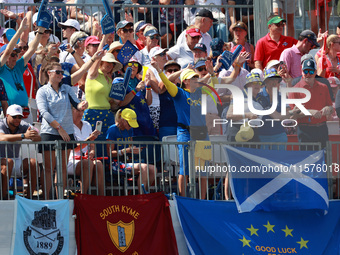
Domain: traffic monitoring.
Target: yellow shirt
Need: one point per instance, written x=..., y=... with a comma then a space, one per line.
x=97, y=92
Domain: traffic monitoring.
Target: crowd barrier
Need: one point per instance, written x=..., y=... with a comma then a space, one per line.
x=152, y=11
x=161, y=156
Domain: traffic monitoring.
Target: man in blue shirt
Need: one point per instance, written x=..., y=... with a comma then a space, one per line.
x=12, y=68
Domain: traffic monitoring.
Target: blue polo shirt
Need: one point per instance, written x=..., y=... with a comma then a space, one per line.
x=14, y=83
x=115, y=134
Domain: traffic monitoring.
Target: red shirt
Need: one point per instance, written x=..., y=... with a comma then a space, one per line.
x=267, y=49
x=319, y=99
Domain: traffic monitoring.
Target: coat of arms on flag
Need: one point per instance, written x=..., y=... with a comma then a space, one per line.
x=139, y=224
x=42, y=227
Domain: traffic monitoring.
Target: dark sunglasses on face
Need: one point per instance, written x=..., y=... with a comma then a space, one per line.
x=57, y=71
x=117, y=51
x=133, y=64
x=281, y=24
x=14, y=55
x=309, y=71
x=201, y=68
x=126, y=30
x=17, y=117
x=23, y=48
x=154, y=37
x=48, y=32
x=195, y=37
x=94, y=45
x=172, y=70
x=161, y=54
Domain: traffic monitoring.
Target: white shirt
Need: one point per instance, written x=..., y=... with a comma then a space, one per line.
x=81, y=135
x=181, y=54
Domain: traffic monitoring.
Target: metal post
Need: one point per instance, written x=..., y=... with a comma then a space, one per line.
x=262, y=10
x=192, y=183
x=59, y=169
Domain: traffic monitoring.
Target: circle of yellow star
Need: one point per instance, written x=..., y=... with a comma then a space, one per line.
x=269, y=227
x=287, y=231
x=303, y=243
x=245, y=241
x=253, y=231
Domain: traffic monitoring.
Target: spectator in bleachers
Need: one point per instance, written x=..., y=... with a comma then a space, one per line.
x=239, y=32
x=75, y=52
x=171, y=22
x=68, y=27
x=182, y=53
x=292, y=56
x=12, y=129
x=138, y=97
x=52, y=38
x=54, y=102
x=123, y=130
x=200, y=51
x=203, y=21
x=329, y=63
x=139, y=28
x=152, y=40
x=159, y=55
x=286, y=8
x=312, y=128
x=12, y=68
x=317, y=11
x=271, y=46
x=97, y=89
x=168, y=115
x=243, y=14
x=124, y=30
x=89, y=170
x=335, y=84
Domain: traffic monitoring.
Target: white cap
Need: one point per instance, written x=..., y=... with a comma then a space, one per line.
x=70, y=23
x=14, y=110
x=155, y=51
x=34, y=18
x=272, y=63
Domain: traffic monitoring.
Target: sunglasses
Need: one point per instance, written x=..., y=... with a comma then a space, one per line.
x=196, y=37
x=47, y=32
x=125, y=30
x=133, y=64
x=201, y=68
x=23, y=48
x=172, y=70
x=117, y=51
x=94, y=45
x=57, y=71
x=19, y=86
x=14, y=55
x=309, y=71
x=17, y=117
x=154, y=37
x=281, y=24
x=161, y=54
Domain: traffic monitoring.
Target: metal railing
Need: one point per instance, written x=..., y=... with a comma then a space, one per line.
x=163, y=157
x=152, y=13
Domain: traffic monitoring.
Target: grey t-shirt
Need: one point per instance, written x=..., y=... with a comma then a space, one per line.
x=12, y=147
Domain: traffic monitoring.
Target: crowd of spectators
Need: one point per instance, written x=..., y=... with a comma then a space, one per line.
x=51, y=74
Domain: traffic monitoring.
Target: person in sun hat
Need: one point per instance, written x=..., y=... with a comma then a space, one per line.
x=253, y=80
x=271, y=46
x=272, y=131
x=191, y=124
x=151, y=40
x=312, y=128
x=123, y=130
x=97, y=89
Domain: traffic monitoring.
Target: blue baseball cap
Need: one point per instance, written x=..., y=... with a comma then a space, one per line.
x=4, y=47
x=123, y=23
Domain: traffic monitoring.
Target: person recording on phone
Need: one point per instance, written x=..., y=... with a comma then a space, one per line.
x=292, y=56
x=89, y=169
x=121, y=131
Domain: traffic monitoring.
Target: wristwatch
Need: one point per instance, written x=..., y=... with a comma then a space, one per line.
x=22, y=136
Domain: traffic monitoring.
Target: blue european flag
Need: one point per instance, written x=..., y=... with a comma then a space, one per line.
x=276, y=180
x=215, y=227
x=126, y=52
x=42, y=227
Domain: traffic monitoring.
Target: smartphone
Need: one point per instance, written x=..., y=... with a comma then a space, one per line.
x=282, y=63
x=99, y=125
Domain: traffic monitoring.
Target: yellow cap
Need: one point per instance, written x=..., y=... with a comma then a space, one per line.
x=130, y=116
x=188, y=74
x=245, y=133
